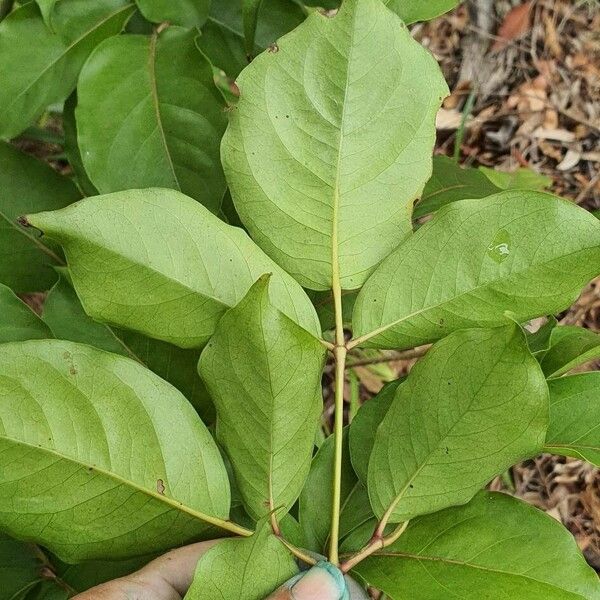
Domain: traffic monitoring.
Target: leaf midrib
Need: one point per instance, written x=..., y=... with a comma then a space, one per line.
x=368, y=336
x=66, y=51
x=156, y=105
x=170, y=502
x=459, y=563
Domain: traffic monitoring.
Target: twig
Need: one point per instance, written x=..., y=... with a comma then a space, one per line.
x=377, y=542
x=406, y=355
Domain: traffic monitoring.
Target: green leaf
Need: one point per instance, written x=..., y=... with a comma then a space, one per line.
x=72, y=147
x=475, y=260
x=244, y=569
x=574, y=417
x=20, y=568
x=315, y=142
x=570, y=347
x=67, y=319
x=250, y=10
x=17, y=321
x=100, y=457
x=476, y=404
x=364, y=426
x=149, y=114
x=357, y=517
x=314, y=508
x=411, y=11
x=494, y=548
x=27, y=184
x=325, y=307
x=539, y=341
x=40, y=67
x=450, y=182
x=521, y=179
x=189, y=13
x=264, y=374
x=159, y=263
x=223, y=40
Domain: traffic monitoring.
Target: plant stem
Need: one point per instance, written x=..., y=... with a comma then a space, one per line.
x=309, y=560
x=340, y=368
x=378, y=542
x=406, y=355
x=339, y=354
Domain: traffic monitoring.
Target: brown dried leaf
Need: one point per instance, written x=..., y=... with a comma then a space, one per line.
x=515, y=25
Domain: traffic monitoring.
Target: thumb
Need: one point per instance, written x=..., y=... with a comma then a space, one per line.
x=323, y=582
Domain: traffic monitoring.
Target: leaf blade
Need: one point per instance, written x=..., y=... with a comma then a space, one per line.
x=259, y=355
x=479, y=415
x=115, y=246
x=338, y=140
x=573, y=417
x=246, y=569
x=167, y=116
x=421, y=292
x=487, y=548
x=125, y=497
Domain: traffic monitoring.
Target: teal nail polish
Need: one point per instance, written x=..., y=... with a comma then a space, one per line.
x=328, y=573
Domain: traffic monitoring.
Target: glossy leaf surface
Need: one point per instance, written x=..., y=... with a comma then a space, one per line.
x=570, y=347
x=323, y=162
x=476, y=404
x=40, y=67
x=100, y=457
x=17, y=321
x=189, y=13
x=525, y=252
x=264, y=374
x=27, y=185
x=574, y=417
x=364, y=427
x=450, y=182
x=149, y=115
x=158, y=262
x=314, y=507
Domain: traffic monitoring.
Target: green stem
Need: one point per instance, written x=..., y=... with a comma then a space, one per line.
x=340, y=368
x=339, y=354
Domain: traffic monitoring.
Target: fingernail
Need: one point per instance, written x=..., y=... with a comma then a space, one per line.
x=324, y=580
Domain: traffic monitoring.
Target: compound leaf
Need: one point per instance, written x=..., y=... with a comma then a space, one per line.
x=244, y=569
x=26, y=185
x=101, y=458
x=570, y=347
x=526, y=252
x=17, y=321
x=495, y=547
x=40, y=67
x=264, y=374
x=159, y=263
x=149, y=114
x=474, y=405
x=319, y=156
x=574, y=417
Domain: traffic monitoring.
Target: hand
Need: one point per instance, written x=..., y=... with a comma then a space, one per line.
x=170, y=576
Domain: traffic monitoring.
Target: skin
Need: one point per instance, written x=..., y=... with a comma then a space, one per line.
x=169, y=577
